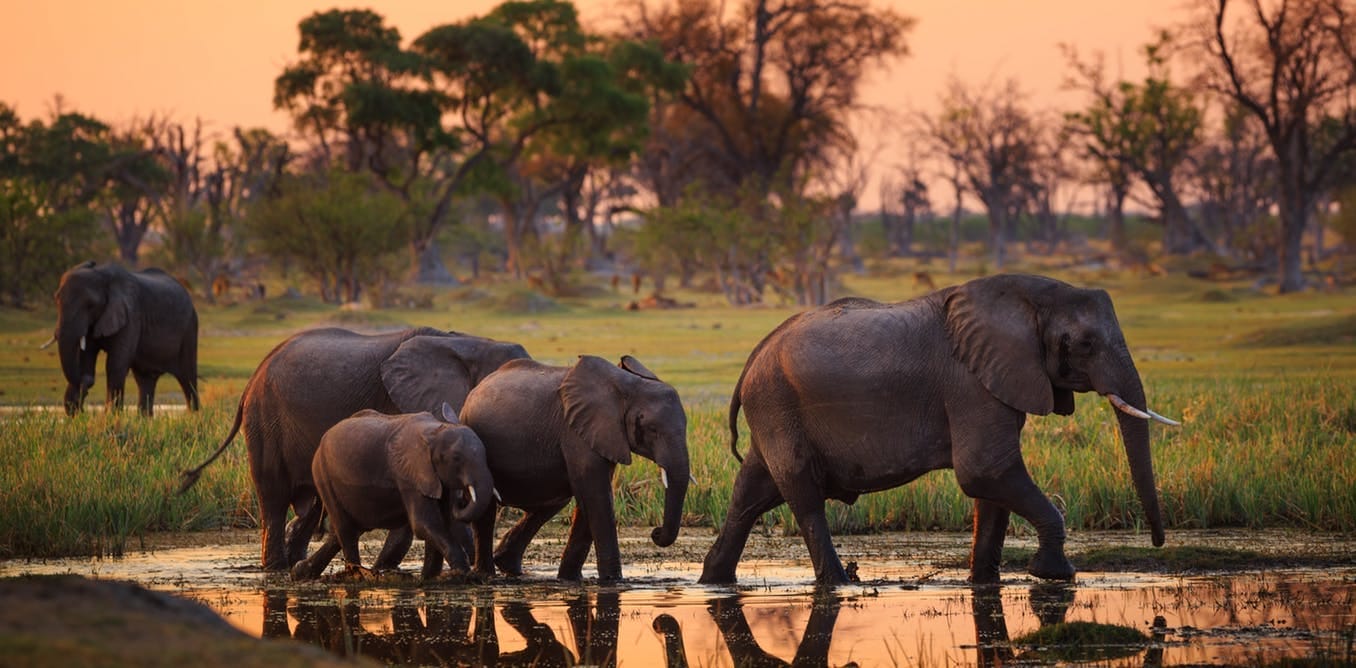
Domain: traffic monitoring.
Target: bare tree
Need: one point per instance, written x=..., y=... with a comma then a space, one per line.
x=1291, y=64
x=990, y=138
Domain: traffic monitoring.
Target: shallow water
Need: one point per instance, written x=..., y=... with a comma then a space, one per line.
x=908, y=614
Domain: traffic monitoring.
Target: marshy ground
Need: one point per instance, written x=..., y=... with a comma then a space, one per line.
x=1209, y=597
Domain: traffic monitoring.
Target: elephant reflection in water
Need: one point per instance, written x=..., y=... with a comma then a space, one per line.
x=745, y=652
x=447, y=637
x=1050, y=603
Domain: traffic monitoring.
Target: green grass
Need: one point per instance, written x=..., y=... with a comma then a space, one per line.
x=1266, y=387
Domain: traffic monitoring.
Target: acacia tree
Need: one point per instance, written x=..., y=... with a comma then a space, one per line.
x=1291, y=65
x=991, y=140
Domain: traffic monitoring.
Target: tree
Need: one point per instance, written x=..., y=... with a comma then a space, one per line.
x=772, y=87
x=51, y=173
x=211, y=189
x=340, y=228
x=1291, y=65
x=1146, y=130
x=991, y=140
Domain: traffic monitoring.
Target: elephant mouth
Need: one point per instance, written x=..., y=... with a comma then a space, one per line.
x=1146, y=414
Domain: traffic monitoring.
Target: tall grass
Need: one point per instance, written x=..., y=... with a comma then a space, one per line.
x=1266, y=387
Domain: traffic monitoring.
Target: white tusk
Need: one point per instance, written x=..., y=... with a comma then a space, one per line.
x=498, y=498
x=1167, y=421
x=1123, y=407
x=692, y=478
x=82, y=343
x=664, y=478
x=472, y=490
x=47, y=345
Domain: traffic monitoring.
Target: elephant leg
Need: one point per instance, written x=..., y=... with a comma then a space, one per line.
x=986, y=551
x=576, y=547
x=116, y=375
x=394, y=549
x=807, y=503
x=508, y=556
x=602, y=525
x=1014, y=490
x=754, y=494
x=189, y=385
x=312, y=566
x=483, y=530
x=299, y=531
x=145, y=391
x=430, y=525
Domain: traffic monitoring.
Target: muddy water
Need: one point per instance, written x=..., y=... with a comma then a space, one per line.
x=909, y=612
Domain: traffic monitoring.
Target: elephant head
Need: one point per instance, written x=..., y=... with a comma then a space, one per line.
x=625, y=408
x=445, y=454
x=92, y=303
x=426, y=371
x=1034, y=341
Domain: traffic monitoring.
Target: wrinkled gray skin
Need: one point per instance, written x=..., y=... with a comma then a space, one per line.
x=556, y=433
x=379, y=471
x=318, y=377
x=144, y=321
x=859, y=396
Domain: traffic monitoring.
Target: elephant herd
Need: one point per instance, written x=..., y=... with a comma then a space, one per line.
x=426, y=433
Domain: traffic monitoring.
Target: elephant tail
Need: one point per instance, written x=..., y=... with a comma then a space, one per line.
x=189, y=477
x=734, y=422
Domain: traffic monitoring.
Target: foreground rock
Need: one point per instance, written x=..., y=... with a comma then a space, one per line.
x=69, y=620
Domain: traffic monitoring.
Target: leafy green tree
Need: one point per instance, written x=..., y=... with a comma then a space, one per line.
x=340, y=228
x=1147, y=129
x=50, y=175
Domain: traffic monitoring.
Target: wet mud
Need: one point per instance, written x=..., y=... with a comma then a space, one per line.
x=1293, y=596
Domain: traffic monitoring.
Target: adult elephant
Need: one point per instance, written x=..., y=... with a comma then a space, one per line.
x=318, y=377
x=144, y=321
x=555, y=433
x=859, y=396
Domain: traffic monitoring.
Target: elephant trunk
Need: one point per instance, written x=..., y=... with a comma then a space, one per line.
x=677, y=474
x=1135, y=434
x=71, y=347
x=477, y=492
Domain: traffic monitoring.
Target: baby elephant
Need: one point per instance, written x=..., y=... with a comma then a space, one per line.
x=378, y=471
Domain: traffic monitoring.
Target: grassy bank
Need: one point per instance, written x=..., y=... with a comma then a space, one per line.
x=1264, y=385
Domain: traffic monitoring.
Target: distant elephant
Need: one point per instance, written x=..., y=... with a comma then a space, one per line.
x=555, y=433
x=144, y=321
x=859, y=396
x=316, y=378
x=379, y=471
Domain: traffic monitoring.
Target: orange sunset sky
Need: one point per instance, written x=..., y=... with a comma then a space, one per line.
x=217, y=61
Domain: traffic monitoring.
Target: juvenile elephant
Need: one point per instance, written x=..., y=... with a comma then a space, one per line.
x=859, y=396
x=316, y=378
x=144, y=321
x=554, y=433
x=379, y=471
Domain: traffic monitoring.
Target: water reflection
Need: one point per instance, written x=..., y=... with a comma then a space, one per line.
x=447, y=633
x=446, y=630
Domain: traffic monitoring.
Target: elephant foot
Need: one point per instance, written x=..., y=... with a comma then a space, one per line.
x=303, y=571
x=509, y=564
x=1051, y=564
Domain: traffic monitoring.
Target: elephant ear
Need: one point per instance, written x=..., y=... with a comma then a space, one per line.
x=634, y=366
x=993, y=332
x=427, y=371
x=411, y=459
x=595, y=408
x=118, y=308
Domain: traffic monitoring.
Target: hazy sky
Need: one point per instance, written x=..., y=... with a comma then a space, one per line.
x=217, y=61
